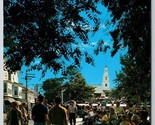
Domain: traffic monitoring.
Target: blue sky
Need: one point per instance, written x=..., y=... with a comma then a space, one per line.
x=92, y=74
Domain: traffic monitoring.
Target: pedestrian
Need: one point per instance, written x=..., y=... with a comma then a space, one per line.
x=90, y=118
x=58, y=114
x=25, y=119
x=14, y=116
x=72, y=110
x=113, y=119
x=119, y=111
x=135, y=119
x=130, y=114
x=40, y=112
x=46, y=104
x=104, y=118
x=124, y=120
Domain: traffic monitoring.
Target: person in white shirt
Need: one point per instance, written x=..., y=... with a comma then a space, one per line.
x=72, y=110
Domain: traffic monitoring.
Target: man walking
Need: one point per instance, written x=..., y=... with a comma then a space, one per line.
x=58, y=114
x=72, y=110
x=40, y=112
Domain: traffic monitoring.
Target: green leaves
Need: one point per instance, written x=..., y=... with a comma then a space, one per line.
x=133, y=32
x=73, y=83
x=47, y=30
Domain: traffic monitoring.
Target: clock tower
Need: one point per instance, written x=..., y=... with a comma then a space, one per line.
x=105, y=82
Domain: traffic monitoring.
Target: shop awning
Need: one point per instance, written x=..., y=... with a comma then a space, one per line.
x=18, y=102
x=12, y=100
x=9, y=99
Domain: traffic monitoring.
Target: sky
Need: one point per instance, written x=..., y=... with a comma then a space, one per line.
x=92, y=74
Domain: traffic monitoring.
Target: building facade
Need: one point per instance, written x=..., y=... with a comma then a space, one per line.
x=15, y=91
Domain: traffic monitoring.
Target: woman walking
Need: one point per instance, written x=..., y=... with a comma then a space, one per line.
x=14, y=116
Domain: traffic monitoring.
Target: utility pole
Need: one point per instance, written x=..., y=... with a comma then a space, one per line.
x=28, y=77
x=62, y=96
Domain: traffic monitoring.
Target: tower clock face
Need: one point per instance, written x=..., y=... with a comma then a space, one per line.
x=105, y=78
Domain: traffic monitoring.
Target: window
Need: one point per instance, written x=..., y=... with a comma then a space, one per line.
x=9, y=76
x=15, y=90
x=5, y=88
x=106, y=84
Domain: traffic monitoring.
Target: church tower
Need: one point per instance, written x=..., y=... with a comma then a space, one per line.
x=105, y=82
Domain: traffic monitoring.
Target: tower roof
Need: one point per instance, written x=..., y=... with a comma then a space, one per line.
x=98, y=89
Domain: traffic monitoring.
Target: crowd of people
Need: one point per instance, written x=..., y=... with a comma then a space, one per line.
x=42, y=113
x=57, y=114
x=115, y=115
x=17, y=115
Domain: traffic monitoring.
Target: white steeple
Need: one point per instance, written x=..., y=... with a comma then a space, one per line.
x=105, y=82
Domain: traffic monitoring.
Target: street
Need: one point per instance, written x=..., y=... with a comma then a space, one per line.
x=78, y=121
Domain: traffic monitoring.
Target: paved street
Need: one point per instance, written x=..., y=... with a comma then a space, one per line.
x=78, y=121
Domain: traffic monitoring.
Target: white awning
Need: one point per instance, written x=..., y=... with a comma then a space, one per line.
x=83, y=104
x=19, y=103
x=9, y=99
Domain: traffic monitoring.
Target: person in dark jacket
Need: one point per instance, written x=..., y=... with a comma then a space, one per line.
x=40, y=112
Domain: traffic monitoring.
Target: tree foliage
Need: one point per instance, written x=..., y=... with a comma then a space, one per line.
x=70, y=73
x=52, y=88
x=76, y=86
x=134, y=80
x=47, y=30
x=76, y=89
x=134, y=26
x=134, y=32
